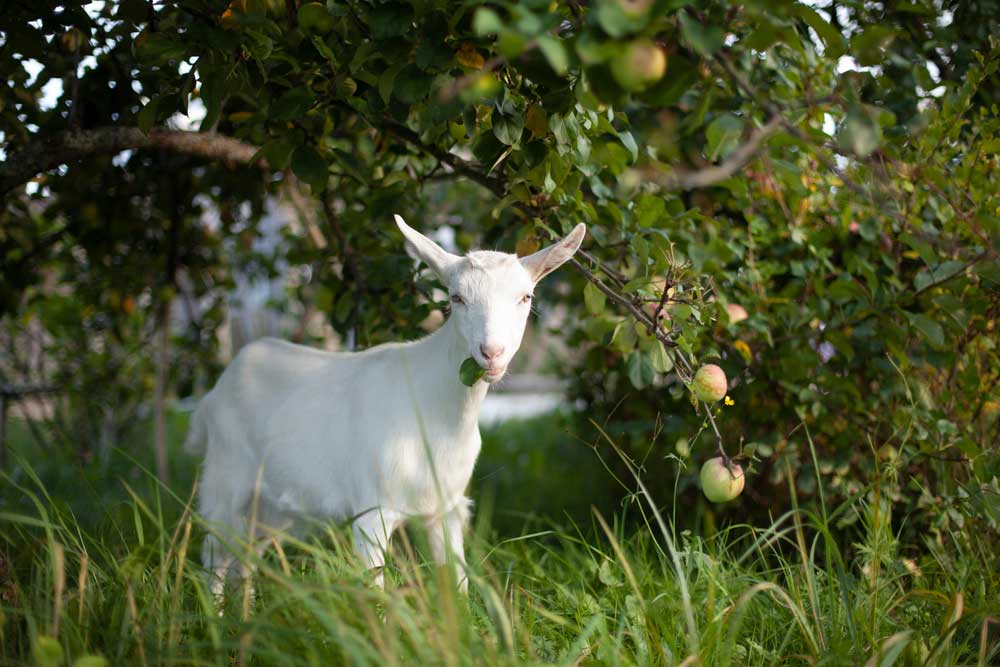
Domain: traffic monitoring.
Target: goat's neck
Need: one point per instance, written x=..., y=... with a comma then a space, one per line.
x=437, y=358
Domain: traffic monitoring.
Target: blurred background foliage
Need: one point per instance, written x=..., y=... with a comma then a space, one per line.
x=830, y=167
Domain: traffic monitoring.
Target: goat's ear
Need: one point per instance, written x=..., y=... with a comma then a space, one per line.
x=547, y=260
x=420, y=247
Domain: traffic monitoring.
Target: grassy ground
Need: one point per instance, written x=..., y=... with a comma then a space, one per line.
x=102, y=562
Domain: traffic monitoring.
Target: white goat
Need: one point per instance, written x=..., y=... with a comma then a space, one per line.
x=380, y=436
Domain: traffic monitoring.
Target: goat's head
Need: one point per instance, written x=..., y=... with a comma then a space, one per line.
x=491, y=292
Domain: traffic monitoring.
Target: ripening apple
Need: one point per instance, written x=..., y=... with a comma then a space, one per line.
x=737, y=313
x=635, y=9
x=710, y=384
x=719, y=483
x=639, y=65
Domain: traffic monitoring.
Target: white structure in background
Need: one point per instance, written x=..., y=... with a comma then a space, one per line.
x=251, y=311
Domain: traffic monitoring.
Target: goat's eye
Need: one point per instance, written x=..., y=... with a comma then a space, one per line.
x=457, y=299
x=525, y=299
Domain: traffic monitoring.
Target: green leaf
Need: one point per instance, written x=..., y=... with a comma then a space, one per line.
x=412, y=85
x=723, y=135
x=508, y=129
x=937, y=273
x=628, y=141
x=292, y=105
x=660, y=359
x=277, y=153
x=325, y=50
x=928, y=327
x=640, y=369
x=615, y=21
x=213, y=94
x=832, y=39
x=868, y=46
x=624, y=337
x=147, y=115
x=860, y=134
x=160, y=47
x=310, y=166
x=486, y=22
x=923, y=248
x=703, y=39
x=607, y=576
x=387, y=79
x=845, y=289
x=390, y=20
x=594, y=299
x=892, y=648
x=554, y=52
x=470, y=372
x=989, y=272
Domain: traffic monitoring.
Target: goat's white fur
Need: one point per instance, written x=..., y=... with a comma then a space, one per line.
x=379, y=436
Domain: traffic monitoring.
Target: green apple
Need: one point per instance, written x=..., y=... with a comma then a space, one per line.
x=635, y=9
x=710, y=384
x=639, y=65
x=719, y=483
x=314, y=17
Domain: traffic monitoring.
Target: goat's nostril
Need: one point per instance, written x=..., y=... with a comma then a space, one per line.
x=491, y=352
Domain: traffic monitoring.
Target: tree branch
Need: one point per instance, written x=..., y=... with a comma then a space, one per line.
x=43, y=155
x=690, y=180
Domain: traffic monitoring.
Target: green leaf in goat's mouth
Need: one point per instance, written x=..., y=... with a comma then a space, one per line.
x=470, y=372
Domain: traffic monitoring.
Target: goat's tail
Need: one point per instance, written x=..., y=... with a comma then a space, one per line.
x=197, y=435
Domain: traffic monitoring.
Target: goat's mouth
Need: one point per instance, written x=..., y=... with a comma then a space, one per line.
x=494, y=374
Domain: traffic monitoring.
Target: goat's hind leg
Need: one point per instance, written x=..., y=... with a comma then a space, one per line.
x=223, y=504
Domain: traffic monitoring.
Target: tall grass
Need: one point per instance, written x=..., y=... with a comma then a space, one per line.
x=127, y=588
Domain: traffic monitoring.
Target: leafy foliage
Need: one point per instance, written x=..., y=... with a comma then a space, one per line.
x=848, y=205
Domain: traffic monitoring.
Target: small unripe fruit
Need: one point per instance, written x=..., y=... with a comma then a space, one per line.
x=641, y=64
x=635, y=9
x=682, y=447
x=737, y=313
x=485, y=85
x=719, y=483
x=314, y=17
x=346, y=87
x=710, y=384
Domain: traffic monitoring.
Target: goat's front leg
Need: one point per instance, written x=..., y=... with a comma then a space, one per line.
x=371, y=539
x=446, y=537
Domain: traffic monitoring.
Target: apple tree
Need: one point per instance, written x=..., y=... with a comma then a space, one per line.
x=827, y=169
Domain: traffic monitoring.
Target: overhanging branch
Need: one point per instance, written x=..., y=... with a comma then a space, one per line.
x=66, y=147
x=701, y=178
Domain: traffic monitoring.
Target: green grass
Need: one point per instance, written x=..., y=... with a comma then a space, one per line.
x=105, y=565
